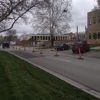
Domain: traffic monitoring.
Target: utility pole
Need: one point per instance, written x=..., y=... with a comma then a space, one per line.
x=77, y=33
x=85, y=33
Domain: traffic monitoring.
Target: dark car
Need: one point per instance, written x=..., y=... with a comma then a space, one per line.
x=43, y=45
x=5, y=45
x=82, y=45
x=62, y=47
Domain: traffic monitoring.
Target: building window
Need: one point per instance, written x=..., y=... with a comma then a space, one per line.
x=90, y=35
x=56, y=38
x=98, y=35
x=49, y=38
x=46, y=37
x=98, y=19
x=43, y=37
x=94, y=20
x=90, y=21
x=35, y=37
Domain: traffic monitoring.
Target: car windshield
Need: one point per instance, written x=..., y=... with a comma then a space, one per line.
x=77, y=44
x=59, y=45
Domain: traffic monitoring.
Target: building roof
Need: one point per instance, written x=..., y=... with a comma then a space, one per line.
x=26, y=41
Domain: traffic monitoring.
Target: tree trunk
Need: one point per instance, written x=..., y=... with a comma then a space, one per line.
x=52, y=42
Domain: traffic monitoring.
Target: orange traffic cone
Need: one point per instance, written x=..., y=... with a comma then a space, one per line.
x=33, y=49
x=80, y=55
x=19, y=47
x=56, y=53
x=24, y=48
x=41, y=50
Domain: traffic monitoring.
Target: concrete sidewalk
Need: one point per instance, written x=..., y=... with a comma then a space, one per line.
x=96, y=47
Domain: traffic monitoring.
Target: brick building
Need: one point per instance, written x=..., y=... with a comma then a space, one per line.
x=93, y=26
x=46, y=38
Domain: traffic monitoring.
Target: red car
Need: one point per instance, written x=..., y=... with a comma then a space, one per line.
x=82, y=45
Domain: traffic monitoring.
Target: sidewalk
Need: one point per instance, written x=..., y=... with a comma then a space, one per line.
x=96, y=47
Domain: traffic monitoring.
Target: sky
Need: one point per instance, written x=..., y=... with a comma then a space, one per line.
x=79, y=11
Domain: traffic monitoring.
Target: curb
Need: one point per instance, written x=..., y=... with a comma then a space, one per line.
x=70, y=81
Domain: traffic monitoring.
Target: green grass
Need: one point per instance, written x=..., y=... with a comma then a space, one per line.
x=98, y=50
x=20, y=80
x=94, y=45
x=47, y=47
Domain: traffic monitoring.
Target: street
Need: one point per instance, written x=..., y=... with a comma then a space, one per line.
x=85, y=72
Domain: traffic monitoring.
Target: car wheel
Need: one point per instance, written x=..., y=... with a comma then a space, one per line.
x=89, y=49
x=73, y=51
x=63, y=49
x=83, y=51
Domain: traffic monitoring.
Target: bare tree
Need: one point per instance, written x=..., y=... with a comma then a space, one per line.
x=55, y=19
x=11, y=35
x=13, y=10
x=98, y=1
x=96, y=13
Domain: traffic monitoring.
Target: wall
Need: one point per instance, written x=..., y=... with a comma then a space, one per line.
x=92, y=27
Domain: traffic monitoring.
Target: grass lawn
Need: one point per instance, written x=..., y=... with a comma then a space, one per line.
x=98, y=50
x=94, y=45
x=20, y=80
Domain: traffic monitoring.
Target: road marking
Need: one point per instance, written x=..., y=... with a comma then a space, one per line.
x=63, y=60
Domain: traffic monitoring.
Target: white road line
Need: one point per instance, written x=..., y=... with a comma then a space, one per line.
x=63, y=59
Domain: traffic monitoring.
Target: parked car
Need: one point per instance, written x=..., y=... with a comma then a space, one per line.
x=43, y=45
x=5, y=45
x=82, y=45
x=62, y=47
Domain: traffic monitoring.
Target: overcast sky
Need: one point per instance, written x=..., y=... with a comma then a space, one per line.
x=79, y=17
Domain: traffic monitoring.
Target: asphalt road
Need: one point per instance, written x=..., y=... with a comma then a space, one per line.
x=85, y=72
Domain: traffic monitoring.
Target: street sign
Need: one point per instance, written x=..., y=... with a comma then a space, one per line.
x=39, y=38
x=1, y=38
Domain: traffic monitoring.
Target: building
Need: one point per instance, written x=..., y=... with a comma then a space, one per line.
x=45, y=37
x=81, y=36
x=93, y=26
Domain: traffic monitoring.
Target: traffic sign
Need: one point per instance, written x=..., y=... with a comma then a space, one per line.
x=39, y=38
x=1, y=38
